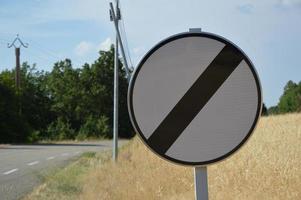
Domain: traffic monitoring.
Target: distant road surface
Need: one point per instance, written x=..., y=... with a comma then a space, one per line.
x=22, y=167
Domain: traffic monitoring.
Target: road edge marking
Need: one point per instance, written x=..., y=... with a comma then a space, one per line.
x=50, y=158
x=10, y=171
x=33, y=163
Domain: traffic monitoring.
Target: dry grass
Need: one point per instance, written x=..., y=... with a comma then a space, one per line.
x=66, y=184
x=267, y=167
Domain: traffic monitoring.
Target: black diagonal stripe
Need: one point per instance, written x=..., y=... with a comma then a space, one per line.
x=195, y=99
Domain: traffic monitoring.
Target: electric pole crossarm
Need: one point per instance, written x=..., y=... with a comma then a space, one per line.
x=20, y=41
x=127, y=69
x=12, y=44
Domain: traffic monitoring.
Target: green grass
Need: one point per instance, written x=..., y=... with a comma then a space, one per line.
x=65, y=184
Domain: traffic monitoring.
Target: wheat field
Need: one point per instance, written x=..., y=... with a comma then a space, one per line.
x=267, y=167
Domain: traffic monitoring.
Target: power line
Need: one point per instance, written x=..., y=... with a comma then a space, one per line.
x=46, y=51
x=41, y=49
x=124, y=35
x=4, y=40
x=54, y=55
x=114, y=18
x=40, y=56
x=126, y=42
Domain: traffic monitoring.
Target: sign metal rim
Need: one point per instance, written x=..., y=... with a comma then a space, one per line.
x=166, y=41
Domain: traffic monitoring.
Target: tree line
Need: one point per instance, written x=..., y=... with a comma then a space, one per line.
x=290, y=100
x=77, y=103
x=65, y=103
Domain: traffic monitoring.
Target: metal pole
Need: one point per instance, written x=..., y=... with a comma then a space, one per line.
x=115, y=20
x=200, y=183
x=200, y=173
x=195, y=30
x=115, y=122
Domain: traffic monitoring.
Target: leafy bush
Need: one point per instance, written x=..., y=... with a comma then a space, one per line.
x=60, y=130
x=94, y=128
x=34, y=136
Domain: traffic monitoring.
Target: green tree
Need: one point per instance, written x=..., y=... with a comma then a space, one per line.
x=25, y=110
x=273, y=110
x=64, y=102
x=97, y=91
x=83, y=96
x=13, y=127
x=34, y=101
x=290, y=101
x=264, y=111
x=63, y=89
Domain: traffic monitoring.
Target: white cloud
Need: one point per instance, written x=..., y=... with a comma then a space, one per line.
x=83, y=48
x=105, y=45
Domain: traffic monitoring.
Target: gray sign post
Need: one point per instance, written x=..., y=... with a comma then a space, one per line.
x=195, y=99
x=200, y=172
x=201, y=183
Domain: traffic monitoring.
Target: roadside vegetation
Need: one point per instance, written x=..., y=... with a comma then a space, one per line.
x=267, y=167
x=67, y=183
x=76, y=102
x=68, y=102
x=290, y=100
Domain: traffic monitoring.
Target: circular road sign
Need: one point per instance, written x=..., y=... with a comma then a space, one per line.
x=195, y=98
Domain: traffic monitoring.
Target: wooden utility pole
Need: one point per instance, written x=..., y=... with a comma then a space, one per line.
x=17, y=73
x=17, y=43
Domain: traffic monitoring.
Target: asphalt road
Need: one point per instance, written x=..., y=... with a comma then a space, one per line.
x=22, y=167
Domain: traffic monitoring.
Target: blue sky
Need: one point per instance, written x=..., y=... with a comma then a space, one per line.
x=268, y=31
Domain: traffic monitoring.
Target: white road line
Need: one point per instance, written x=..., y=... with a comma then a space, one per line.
x=77, y=152
x=65, y=154
x=33, y=163
x=10, y=171
x=50, y=158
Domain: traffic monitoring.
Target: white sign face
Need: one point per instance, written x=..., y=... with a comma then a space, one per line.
x=195, y=98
